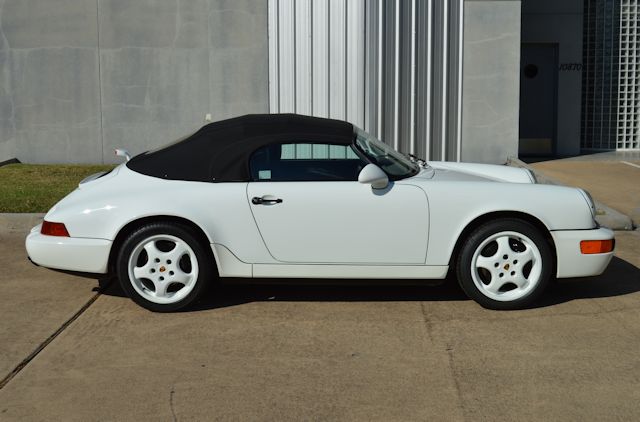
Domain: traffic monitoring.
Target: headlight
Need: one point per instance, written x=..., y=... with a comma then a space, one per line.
x=592, y=205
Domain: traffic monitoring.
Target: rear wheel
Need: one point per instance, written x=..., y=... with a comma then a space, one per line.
x=505, y=264
x=164, y=267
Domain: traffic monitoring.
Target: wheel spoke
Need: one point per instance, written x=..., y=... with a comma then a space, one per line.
x=503, y=246
x=495, y=285
x=525, y=256
x=141, y=272
x=179, y=251
x=486, y=262
x=161, y=288
x=519, y=280
x=152, y=250
x=181, y=277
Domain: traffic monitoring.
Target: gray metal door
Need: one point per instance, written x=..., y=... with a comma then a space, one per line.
x=538, y=93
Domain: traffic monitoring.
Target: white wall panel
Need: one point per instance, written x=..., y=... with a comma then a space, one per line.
x=320, y=57
x=337, y=59
x=393, y=67
x=303, y=51
x=355, y=79
x=274, y=73
x=317, y=58
x=287, y=54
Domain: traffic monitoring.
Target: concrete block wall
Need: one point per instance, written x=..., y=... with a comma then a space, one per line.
x=79, y=77
x=491, y=80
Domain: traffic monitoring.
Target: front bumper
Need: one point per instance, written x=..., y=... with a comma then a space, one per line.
x=68, y=253
x=572, y=262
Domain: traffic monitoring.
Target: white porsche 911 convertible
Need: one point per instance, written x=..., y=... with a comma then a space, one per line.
x=288, y=196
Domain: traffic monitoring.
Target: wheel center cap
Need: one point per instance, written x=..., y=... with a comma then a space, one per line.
x=162, y=269
x=506, y=267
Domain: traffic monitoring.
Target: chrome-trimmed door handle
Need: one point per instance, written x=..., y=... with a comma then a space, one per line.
x=265, y=200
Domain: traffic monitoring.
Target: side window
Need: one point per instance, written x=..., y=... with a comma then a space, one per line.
x=305, y=162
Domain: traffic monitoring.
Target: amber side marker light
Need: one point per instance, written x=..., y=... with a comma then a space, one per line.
x=588, y=247
x=54, y=229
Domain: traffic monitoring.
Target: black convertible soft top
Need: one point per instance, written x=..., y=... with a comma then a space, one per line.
x=220, y=151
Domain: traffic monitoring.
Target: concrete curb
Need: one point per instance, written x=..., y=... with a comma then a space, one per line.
x=605, y=216
x=19, y=222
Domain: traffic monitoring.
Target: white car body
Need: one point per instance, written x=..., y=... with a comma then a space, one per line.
x=409, y=231
x=288, y=196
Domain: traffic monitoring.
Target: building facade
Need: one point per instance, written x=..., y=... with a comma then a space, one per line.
x=391, y=67
x=611, y=76
x=580, y=73
x=470, y=80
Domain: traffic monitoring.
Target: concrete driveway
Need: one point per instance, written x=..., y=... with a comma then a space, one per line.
x=319, y=353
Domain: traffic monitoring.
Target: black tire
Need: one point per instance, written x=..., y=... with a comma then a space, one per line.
x=509, y=273
x=141, y=290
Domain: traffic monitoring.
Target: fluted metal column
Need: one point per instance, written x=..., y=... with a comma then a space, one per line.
x=393, y=67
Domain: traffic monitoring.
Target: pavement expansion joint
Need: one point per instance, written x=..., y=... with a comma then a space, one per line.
x=173, y=410
x=52, y=337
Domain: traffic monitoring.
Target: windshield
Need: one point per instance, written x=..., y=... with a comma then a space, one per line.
x=396, y=165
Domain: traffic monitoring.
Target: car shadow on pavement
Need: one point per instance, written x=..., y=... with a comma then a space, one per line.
x=620, y=278
x=238, y=292
x=389, y=291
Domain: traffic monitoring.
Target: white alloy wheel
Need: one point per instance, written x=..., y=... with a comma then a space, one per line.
x=163, y=269
x=506, y=266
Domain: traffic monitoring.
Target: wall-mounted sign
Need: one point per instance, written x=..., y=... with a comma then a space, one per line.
x=570, y=67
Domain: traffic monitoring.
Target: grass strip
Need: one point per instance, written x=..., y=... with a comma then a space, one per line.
x=37, y=187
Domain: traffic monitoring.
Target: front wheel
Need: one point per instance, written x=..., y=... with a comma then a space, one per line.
x=163, y=267
x=505, y=264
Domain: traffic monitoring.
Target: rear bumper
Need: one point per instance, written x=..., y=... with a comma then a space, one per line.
x=573, y=263
x=68, y=253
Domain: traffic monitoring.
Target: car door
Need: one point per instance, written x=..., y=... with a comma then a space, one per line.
x=310, y=208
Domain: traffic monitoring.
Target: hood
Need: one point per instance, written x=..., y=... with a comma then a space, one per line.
x=472, y=172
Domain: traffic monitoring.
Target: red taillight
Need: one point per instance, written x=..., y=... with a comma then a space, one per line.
x=588, y=247
x=54, y=229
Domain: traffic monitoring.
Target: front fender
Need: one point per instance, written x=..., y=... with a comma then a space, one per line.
x=456, y=205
